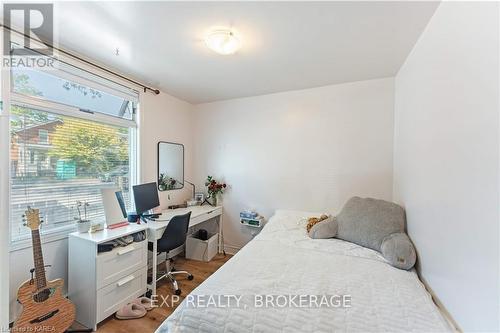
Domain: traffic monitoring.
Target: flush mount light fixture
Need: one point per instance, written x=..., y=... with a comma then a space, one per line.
x=223, y=41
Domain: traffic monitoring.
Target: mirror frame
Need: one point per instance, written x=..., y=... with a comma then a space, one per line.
x=158, y=165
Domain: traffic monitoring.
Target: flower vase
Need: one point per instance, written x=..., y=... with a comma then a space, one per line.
x=214, y=199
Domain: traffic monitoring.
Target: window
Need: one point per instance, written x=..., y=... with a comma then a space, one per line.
x=72, y=86
x=46, y=86
x=43, y=136
x=86, y=155
x=60, y=155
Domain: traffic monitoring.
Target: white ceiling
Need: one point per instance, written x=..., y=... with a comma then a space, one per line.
x=286, y=45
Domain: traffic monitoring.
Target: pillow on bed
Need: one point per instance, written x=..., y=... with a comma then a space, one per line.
x=324, y=229
x=372, y=223
x=398, y=249
x=366, y=221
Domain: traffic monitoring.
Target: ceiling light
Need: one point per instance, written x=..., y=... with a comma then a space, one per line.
x=222, y=41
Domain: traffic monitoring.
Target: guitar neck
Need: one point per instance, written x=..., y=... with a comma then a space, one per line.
x=41, y=281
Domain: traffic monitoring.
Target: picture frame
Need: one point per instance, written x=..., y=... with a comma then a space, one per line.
x=199, y=196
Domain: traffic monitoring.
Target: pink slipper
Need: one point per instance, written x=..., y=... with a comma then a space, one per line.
x=145, y=302
x=131, y=311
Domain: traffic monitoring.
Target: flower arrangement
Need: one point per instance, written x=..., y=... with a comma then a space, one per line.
x=214, y=188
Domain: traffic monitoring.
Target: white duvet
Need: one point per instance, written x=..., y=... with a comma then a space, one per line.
x=283, y=260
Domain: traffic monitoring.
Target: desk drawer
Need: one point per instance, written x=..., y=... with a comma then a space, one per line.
x=122, y=261
x=119, y=293
x=206, y=216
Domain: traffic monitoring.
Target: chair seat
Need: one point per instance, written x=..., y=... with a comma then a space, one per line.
x=164, y=245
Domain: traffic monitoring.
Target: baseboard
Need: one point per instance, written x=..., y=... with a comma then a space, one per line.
x=440, y=306
x=231, y=249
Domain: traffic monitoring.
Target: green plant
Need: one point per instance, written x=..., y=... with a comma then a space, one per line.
x=165, y=182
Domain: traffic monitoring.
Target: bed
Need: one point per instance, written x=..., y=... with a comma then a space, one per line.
x=283, y=260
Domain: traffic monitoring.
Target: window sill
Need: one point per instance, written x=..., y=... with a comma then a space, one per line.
x=48, y=237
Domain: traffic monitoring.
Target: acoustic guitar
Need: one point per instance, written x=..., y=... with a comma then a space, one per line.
x=45, y=309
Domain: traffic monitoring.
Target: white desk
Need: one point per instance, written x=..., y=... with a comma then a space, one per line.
x=199, y=214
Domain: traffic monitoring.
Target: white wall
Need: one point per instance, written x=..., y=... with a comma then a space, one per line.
x=309, y=149
x=4, y=220
x=162, y=117
x=165, y=118
x=446, y=159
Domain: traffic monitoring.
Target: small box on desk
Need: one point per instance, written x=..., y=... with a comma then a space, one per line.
x=248, y=214
x=202, y=250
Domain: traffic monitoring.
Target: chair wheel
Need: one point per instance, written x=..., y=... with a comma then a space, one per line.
x=178, y=292
x=190, y=277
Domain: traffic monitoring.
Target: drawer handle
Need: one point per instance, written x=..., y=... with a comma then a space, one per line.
x=125, y=280
x=127, y=250
x=210, y=212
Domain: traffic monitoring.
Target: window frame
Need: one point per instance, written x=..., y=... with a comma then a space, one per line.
x=45, y=135
x=5, y=189
x=63, y=231
x=12, y=98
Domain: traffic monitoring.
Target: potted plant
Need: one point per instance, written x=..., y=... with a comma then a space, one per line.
x=81, y=221
x=214, y=188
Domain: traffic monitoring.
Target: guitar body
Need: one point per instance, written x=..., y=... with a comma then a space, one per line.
x=45, y=310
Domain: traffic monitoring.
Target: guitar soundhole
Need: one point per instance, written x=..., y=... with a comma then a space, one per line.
x=42, y=296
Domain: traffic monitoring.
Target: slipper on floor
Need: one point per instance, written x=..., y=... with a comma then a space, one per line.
x=131, y=311
x=147, y=303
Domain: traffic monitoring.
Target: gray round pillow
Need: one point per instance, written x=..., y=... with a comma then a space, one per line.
x=398, y=249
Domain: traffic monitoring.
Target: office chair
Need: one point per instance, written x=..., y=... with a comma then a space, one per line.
x=174, y=236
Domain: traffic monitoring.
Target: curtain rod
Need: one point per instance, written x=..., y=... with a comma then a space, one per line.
x=146, y=88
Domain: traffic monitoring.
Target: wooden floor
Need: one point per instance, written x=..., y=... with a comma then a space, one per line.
x=155, y=317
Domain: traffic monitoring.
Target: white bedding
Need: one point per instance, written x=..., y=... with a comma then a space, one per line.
x=283, y=260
